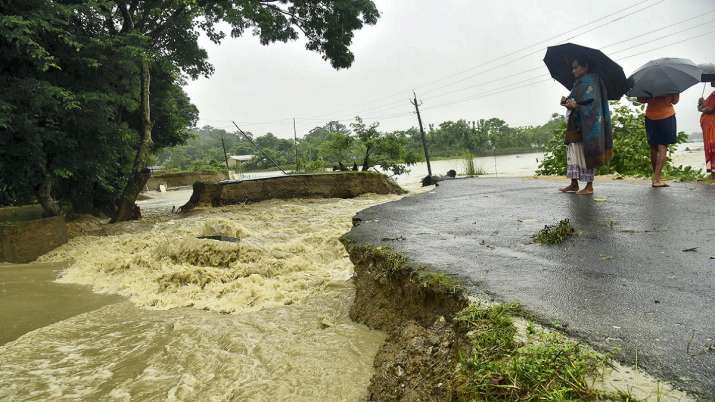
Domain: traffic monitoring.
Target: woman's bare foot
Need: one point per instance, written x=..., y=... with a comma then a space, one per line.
x=585, y=191
x=659, y=184
x=569, y=189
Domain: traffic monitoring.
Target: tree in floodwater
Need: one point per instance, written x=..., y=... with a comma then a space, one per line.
x=69, y=110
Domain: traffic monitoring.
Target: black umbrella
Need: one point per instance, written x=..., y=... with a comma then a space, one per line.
x=559, y=58
x=665, y=76
x=708, y=72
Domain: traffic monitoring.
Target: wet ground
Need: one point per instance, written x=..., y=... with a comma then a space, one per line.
x=639, y=277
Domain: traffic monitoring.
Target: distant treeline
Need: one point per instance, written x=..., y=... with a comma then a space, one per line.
x=336, y=144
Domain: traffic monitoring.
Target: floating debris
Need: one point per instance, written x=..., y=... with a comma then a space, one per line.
x=221, y=238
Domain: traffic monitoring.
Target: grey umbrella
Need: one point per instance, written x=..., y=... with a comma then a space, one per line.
x=708, y=72
x=665, y=76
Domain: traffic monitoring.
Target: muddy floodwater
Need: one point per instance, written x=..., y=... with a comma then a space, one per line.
x=261, y=319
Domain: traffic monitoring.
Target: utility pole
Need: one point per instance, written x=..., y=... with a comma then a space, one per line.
x=417, y=104
x=225, y=156
x=260, y=151
x=295, y=145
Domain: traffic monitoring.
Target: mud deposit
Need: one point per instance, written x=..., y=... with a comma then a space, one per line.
x=265, y=318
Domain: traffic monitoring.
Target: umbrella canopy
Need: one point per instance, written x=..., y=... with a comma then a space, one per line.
x=558, y=59
x=708, y=72
x=665, y=76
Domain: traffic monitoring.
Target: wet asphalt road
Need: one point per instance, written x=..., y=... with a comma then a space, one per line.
x=624, y=282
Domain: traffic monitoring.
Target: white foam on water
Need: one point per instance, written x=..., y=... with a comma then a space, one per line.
x=263, y=319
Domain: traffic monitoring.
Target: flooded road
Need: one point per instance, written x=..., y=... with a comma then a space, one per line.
x=265, y=318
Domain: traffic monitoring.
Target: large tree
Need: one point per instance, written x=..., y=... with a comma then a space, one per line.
x=168, y=30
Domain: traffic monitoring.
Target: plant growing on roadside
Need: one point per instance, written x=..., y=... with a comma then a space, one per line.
x=469, y=168
x=549, y=367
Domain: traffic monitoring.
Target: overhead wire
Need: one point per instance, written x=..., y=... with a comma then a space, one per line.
x=571, y=32
x=635, y=37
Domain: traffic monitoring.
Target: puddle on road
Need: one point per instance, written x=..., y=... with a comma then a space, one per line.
x=265, y=318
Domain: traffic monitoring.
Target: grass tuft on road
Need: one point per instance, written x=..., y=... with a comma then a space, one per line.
x=555, y=234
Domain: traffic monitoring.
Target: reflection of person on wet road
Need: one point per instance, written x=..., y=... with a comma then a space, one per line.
x=589, y=140
x=661, y=127
x=707, y=122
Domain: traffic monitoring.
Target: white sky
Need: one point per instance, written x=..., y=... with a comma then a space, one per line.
x=418, y=42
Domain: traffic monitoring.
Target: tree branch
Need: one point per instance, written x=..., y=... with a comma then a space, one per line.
x=161, y=27
x=128, y=24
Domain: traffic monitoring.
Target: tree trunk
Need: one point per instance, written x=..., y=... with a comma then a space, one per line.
x=127, y=208
x=366, y=161
x=43, y=193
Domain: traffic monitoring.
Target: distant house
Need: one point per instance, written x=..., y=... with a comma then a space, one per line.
x=235, y=171
x=235, y=161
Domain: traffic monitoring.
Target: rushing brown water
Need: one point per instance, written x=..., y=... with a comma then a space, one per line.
x=265, y=318
x=30, y=299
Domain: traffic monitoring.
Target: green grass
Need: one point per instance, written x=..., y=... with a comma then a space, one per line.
x=555, y=234
x=439, y=281
x=469, y=167
x=548, y=367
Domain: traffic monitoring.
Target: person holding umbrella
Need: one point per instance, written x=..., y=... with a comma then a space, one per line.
x=593, y=79
x=661, y=130
x=659, y=83
x=707, y=119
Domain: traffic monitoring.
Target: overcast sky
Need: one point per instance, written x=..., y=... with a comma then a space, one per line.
x=439, y=48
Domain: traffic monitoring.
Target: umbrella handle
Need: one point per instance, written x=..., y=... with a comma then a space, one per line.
x=705, y=85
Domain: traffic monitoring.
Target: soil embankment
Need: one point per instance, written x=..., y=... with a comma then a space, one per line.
x=181, y=179
x=325, y=185
x=443, y=344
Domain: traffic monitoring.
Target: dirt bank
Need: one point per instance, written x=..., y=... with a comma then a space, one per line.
x=445, y=345
x=171, y=180
x=327, y=185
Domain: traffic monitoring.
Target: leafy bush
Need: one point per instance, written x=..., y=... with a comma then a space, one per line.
x=631, y=153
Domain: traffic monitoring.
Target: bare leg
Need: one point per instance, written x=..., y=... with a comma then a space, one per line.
x=653, y=158
x=571, y=188
x=660, y=161
x=588, y=190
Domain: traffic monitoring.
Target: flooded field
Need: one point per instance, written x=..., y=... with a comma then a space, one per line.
x=264, y=318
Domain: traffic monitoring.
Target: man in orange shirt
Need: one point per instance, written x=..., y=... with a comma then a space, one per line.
x=661, y=127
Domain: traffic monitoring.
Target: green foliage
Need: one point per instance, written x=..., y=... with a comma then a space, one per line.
x=554, y=162
x=631, y=152
x=469, y=168
x=548, y=367
x=485, y=137
x=70, y=83
x=555, y=234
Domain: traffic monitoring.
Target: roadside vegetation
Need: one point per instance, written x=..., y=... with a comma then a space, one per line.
x=631, y=156
x=542, y=366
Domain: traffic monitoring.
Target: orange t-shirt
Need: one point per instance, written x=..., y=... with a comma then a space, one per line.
x=660, y=107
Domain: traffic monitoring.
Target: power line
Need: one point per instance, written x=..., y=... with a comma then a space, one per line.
x=499, y=79
x=595, y=21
